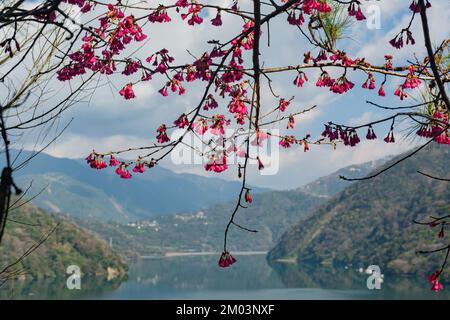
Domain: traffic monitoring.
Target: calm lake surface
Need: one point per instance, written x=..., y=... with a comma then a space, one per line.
x=198, y=277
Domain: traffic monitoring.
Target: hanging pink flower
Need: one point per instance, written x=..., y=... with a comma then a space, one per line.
x=283, y=104
x=131, y=67
x=218, y=123
x=182, y=3
x=194, y=11
x=217, y=163
x=434, y=279
x=390, y=137
x=122, y=171
x=388, y=63
x=100, y=163
x=291, y=122
x=226, y=260
x=241, y=153
x=163, y=91
x=286, y=141
x=210, y=103
x=341, y=85
x=369, y=83
x=217, y=21
x=381, y=91
x=294, y=20
x=322, y=56
x=182, y=121
x=357, y=13
x=300, y=79
x=90, y=158
x=237, y=106
x=127, y=92
x=162, y=135
x=113, y=161
x=139, y=167
x=159, y=16
x=411, y=81
x=325, y=80
x=260, y=137
x=248, y=197
x=125, y=174
x=95, y=161
x=371, y=134
x=201, y=126
x=400, y=93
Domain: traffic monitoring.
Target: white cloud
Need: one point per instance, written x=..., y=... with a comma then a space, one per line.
x=366, y=117
x=77, y=146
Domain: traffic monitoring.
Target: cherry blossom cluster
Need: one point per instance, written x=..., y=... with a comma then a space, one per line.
x=97, y=161
x=437, y=130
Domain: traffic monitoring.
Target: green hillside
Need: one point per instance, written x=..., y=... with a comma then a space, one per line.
x=69, y=244
x=371, y=222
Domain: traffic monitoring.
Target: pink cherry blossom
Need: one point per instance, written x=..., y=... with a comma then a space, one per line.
x=182, y=121
x=113, y=161
x=159, y=16
x=248, y=197
x=217, y=163
x=139, y=167
x=287, y=141
x=381, y=91
x=371, y=134
x=434, y=279
x=242, y=153
x=260, y=137
x=127, y=92
x=162, y=135
x=283, y=104
x=218, y=123
x=291, y=122
x=201, y=126
x=226, y=259
x=217, y=21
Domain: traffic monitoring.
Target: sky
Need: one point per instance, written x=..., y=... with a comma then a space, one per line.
x=108, y=122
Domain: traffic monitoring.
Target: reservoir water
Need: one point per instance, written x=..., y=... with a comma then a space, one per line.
x=198, y=277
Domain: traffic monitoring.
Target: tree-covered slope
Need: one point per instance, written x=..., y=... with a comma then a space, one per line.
x=371, y=221
x=68, y=244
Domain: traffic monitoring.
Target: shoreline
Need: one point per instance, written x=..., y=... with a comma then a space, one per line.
x=202, y=253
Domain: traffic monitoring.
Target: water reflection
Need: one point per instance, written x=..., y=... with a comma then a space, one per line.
x=329, y=278
x=55, y=288
x=251, y=278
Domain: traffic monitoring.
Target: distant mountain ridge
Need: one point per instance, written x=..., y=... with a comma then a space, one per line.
x=69, y=186
x=271, y=213
x=331, y=184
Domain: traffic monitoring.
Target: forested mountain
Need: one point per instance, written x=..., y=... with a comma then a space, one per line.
x=371, y=221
